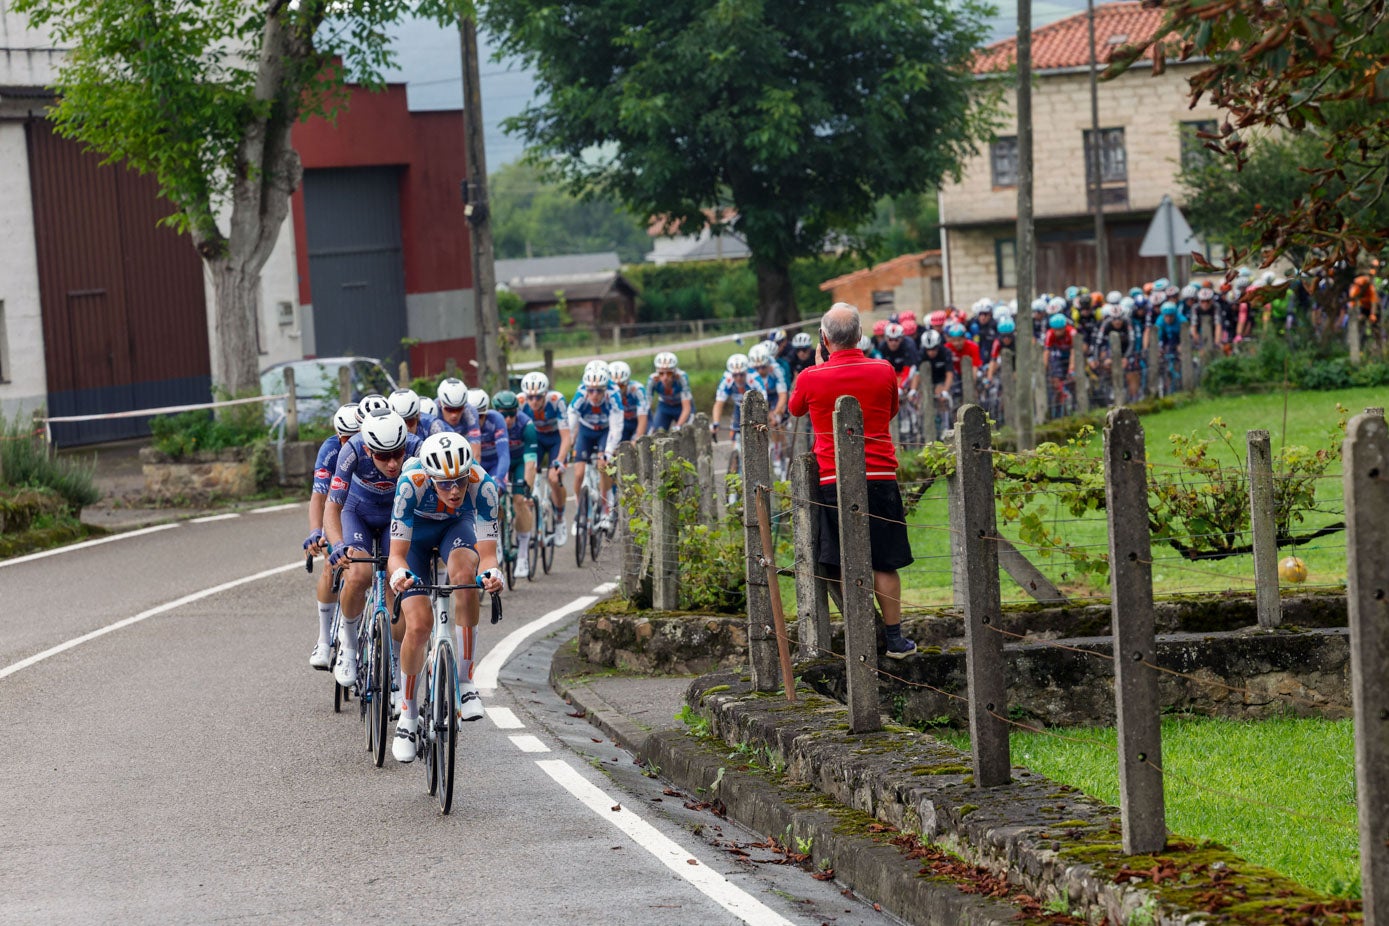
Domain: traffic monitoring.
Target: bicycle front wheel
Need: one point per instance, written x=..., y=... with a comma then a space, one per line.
x=581, y=526
x=443, y=720
x=508, y=546
x=380, y=685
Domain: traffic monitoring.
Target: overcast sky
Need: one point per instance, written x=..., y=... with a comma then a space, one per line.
x=430, y=66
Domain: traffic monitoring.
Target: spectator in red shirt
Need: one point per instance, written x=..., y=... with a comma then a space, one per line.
x=842, y=369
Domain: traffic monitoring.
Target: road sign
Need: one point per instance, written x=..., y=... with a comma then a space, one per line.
x=1169, y=235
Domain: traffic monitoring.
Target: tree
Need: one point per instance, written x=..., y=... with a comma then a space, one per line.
x=1320, y=68
x=535, y=217
x=904, y=224
x=784, y=120
x=203, y=96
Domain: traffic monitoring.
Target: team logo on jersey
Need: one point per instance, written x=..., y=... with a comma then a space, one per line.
x=339, y=484
x=321, y=473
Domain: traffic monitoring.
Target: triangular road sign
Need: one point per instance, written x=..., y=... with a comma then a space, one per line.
x=1168, y=233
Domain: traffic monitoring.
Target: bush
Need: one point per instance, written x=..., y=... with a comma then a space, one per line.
x=180, y=436
x=30, y=464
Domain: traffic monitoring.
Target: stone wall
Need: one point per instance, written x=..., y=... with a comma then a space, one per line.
x=207, y=473
x=664, y=644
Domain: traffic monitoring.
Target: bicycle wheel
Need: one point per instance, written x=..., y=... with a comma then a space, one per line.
x=443, y=718
x=581, y=526
x=595, y=538
x=380, y=685
x=508, y=553
x=532, y=551
x=546, y=538
x=425, y=736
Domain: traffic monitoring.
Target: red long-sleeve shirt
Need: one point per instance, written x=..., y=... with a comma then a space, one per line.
x=874, y=384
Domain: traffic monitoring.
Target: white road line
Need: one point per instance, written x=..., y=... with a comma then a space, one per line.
x=214, y=517
x=158, y=609
x=86, y=543
x=527, y=743
x=709, y=882
x=285, y=507
x=485, y=675
x=504, y=719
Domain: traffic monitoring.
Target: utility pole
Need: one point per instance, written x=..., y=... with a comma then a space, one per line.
x=1096, y=161
x=1025, y=351
x=491, y=376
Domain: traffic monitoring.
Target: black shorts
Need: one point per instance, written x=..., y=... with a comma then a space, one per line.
x=887, y=534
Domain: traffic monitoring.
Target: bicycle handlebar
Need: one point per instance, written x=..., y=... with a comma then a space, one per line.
x=445, y=590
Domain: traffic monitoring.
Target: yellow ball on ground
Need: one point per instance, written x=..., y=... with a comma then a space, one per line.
x=1291, y=569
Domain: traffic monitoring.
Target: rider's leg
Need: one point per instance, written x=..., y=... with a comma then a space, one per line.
x=525, y=517
x=579, y=468
x=326, y=605
x=463, y=562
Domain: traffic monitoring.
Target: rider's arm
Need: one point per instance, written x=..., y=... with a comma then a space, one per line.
x=615, y=421
x=337, y=494
x=716, y=415
x=400, y=549
x=486, y=498
x=316, y=502
x=503, y=453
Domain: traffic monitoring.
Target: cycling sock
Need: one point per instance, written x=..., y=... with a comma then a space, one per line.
x=325, y=623
x=523, y=541
x=347, y=634
x=395, y=665
x=892, y=631
x=467, y=639
x=410, y=707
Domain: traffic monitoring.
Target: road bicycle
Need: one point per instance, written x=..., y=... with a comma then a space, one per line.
x=506, y=538
x=908, y=420
x=375, y=676
x=439, y=698
x=542, y=549
x=588, y=536
x=340, y=694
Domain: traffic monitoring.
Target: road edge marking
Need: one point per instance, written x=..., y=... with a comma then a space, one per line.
x=84, y=544
x=487, y=671
x=143, y=615
x=208, y=519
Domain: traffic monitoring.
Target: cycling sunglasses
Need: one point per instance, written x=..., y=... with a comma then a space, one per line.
x=450, y=408
x=393, y=455
x=449, y=485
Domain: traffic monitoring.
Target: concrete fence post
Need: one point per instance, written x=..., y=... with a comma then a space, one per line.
x=291, y=406
x=344, y=385
x=704, y=469
x=1080, y=375
x=1207, y=323
x=757, y=470
x=812, y=599
x=665, y=531
x=1118, y=394
x=404, y=374
x=967, y=389
x=1263, y=529
x=972, y=529
x=1188, y=367
x=1365, y=460
x=646, y=473
x=1041, y=385
x=856, y=567
x=450, y=368
x=1142, y=813
x=1353, y=339
x=630, y=577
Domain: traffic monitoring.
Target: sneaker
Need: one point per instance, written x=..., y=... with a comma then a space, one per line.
x=561, y=533
x=900, y=648
x=605, y=523
x=469, y=702
x=346, y=669
x=406, y=743
x=322, y=656
x=523, y=567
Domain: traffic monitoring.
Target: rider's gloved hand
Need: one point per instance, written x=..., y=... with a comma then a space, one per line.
x=315, y=539
x=911, y=394
x=402, y=579
x=491, y=579
x=338, y=555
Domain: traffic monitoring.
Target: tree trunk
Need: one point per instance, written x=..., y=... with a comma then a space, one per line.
x=776, y=299
x=236, y=292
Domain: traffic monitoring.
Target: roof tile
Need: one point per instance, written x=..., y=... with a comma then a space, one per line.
x=1066, y=42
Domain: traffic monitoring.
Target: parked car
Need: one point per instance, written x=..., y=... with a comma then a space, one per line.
x=316, y=387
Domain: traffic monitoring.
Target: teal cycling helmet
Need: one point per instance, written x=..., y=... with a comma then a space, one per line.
x=1006, y=326
x=1169, y=308
x=1057, y=322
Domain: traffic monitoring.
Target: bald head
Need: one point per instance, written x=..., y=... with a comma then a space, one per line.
x=841, y=326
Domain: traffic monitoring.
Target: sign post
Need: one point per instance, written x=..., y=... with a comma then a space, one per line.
x=1169, y=235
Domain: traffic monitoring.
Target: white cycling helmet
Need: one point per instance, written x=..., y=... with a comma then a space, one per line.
x=865, y=343
x=346, y=422
x=405, y=403
x=596, y=377
x=931, y=339
x=428, y=407
x=1113, y=297
x=535, y=383
x=620, y=371
x=893, y=331
x=1106, y=311
x=445, y=456
x=373, y=402
x=453, y=393
x=665, y=361
x=738, y=363
x=801, y=341
x=1189, y=291
x=758, y=355
x=479, y=400
x=1057, y=304
x=597, y=366
x=384, y=431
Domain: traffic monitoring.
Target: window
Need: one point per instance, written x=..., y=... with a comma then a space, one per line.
x=1006, y=260
x=1003, y=156
x=1113, y=185
x=1194, y=150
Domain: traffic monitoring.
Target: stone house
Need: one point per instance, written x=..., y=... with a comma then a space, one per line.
x=908, y=281
x=1146, y=128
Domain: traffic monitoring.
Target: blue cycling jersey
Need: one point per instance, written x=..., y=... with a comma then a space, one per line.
x=730, y=388
x=467, y=425
x=416, y=497
x=553, y=415
x=668, y=392
x=772, y=382
x=595, y=418
x=633, y=401
x=325, y=464
x=358, y=482
x=496, y=446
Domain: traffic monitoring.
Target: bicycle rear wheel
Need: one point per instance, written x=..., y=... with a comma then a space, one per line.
x=532, y=550
x=443, y=718
x=546, y=538
x=380, y=685
x=425, y=736
x=581, y=526
x=507, y=545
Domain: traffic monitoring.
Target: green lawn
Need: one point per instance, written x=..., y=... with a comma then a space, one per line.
x=1280, y=793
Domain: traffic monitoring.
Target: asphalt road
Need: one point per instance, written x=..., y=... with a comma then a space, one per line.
x=186, y=767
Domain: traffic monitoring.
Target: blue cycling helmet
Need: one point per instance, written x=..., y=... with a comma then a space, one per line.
x=1072, y=292
x=1169, y=308
x=1135, y=292
x=1161, y=283
x=1057, y=322
x=956, y=330
x=1006, y=326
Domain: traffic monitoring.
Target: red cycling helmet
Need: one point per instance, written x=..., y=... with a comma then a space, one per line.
x=880, y=328
x=937, y=319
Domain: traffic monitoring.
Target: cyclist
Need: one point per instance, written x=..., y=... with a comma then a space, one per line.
x=939, y=360
x=595, y=418
x=633, y=400
x=406, y=404
x=548, y=412
x=444, y=502
x=357, y=512
x=1059, y=343
x=1130, y=355
x=1168, y=331
x=455, y=414
x=736, y=383
x=802, y=355
x=525, y=452
x=961, y=346
x=870, y=350
x=901, y=352
x=369, y=403
x=495, y=443
x=428, y=408
x=345, y=424
x=672, y=403
x=983, y=330
x=770, y=381
x=1006, y=340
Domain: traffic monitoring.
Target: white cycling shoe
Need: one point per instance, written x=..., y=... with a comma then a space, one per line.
x=322, y=656
x=469, y=702
x=605, y=523
x=561, y=533
x=523, y=567
x=346, y=669
x=406, y=744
